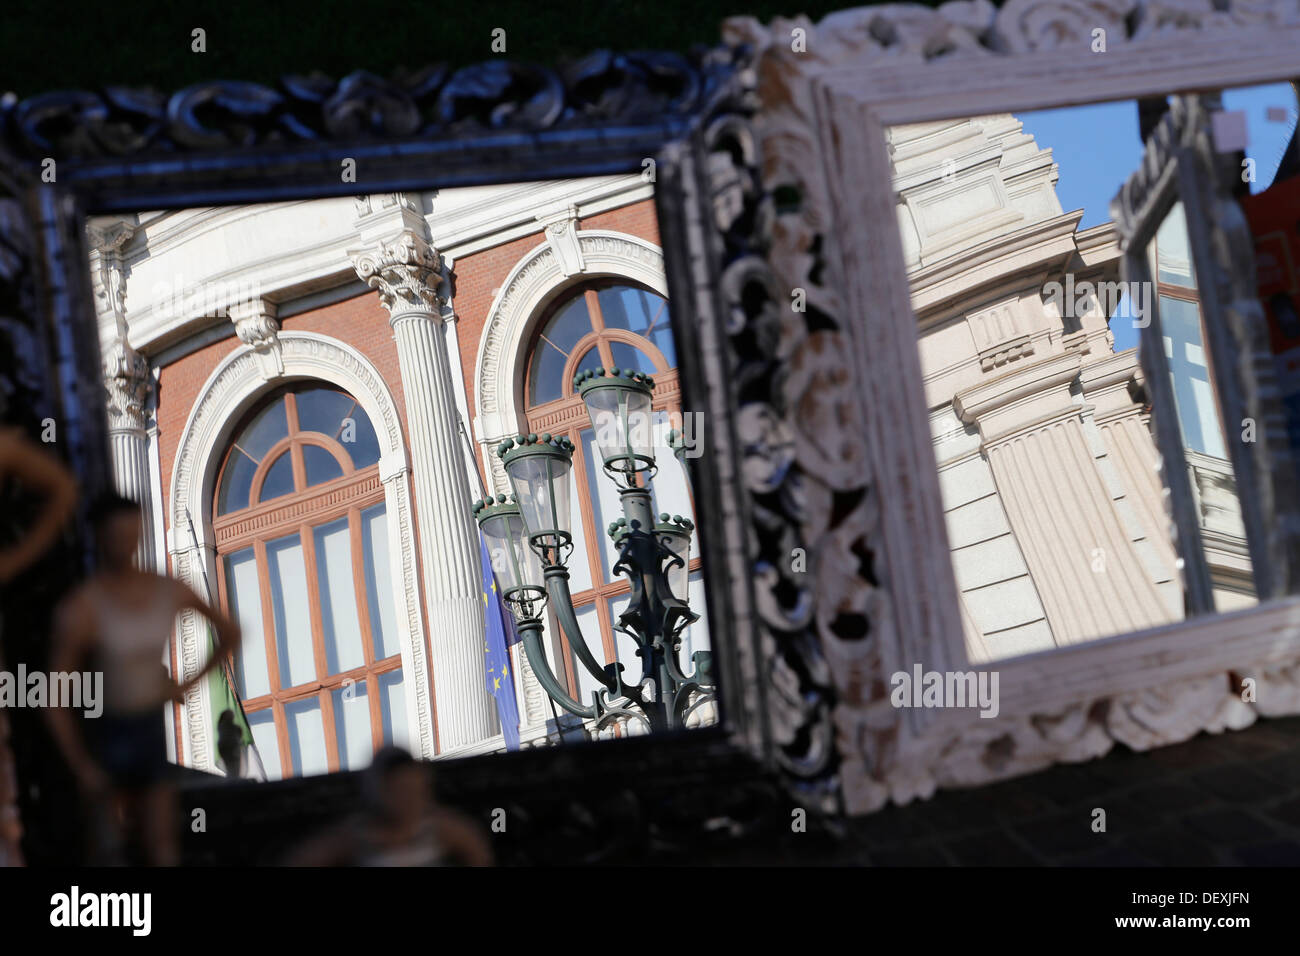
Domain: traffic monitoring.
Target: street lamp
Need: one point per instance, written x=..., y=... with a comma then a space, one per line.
x=530, y=542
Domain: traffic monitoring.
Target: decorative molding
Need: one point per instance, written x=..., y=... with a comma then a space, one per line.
x=536, y=280
x=427, y=104
x=258, y=328
x=406, y=272
x=236, y=384
x=833, y=234
x=128, y=382
x=561, y=231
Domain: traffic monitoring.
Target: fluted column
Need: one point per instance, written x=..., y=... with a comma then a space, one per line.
x=1080, y=556
x=397, y=261
x=127, y=378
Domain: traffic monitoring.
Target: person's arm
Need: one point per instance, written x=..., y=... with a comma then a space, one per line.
x=40, y=471
x=74, y=637
x=228, y=635
x=462, y=839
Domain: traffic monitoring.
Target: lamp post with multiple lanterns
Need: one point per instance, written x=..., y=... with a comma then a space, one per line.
x=529, y=539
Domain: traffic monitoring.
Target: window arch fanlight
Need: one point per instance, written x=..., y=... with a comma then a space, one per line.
x=608, y=323
x=303, y=565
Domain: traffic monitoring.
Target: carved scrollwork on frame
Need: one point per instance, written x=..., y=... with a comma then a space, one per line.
x=495, y=95
x=811, y=484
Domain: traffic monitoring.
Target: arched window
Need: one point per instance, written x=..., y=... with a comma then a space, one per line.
x=608, y=324
x=303, y=565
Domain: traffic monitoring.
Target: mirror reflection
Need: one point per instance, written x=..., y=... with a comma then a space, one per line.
x=1041, y=417
x=428, y=451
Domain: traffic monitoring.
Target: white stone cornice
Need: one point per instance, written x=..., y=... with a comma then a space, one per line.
x=1029, y=397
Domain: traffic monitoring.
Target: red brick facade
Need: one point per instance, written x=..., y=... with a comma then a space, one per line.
x=362, y=323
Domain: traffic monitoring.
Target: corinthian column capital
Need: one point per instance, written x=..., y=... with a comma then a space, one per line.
x=395, y=256
x=127, y=379
x=405, y=271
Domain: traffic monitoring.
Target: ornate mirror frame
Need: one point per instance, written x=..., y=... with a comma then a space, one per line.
x=849, y=400
x=64, y=156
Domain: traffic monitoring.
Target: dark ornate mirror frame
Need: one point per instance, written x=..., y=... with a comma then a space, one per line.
x=64, y=156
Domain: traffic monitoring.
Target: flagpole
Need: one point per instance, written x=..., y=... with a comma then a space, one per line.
x=473, y=460
x=225, y=663
x=469, y=446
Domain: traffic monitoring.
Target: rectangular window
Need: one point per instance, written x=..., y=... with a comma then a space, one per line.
x=291, y=606
x=352, y=725
x=392, y=705
x=379, y=581
x=338, y=597
x=306, y=737
x=245, y=593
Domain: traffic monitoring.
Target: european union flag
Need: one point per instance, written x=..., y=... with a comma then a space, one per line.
x=499, y=634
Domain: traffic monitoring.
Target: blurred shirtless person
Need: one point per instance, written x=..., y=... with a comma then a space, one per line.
x=36, y=470
x=402, y=826
x=119, y=621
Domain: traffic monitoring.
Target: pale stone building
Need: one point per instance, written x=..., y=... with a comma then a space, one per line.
x=1041, y=432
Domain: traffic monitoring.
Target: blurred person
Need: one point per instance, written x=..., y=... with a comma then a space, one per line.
x=36, y=471
x=119, y=621
x=402, y=824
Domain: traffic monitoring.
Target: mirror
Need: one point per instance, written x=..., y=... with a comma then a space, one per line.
x=312, y=399
x=1041, y=413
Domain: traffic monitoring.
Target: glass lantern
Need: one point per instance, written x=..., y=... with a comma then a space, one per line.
x=618, y=403
x=674, y=533
x=516, y=566
x=538, y=467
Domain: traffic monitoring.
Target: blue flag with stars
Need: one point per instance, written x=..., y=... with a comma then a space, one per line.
x=498, y=635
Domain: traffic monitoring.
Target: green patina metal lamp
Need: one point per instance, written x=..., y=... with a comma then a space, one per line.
x=531, y=533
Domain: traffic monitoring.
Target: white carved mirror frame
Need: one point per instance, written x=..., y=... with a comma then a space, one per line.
x=828, y=93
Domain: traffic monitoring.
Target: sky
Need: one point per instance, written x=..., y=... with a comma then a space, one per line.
x=1097, y=147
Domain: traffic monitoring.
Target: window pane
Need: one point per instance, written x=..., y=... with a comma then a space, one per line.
x=322, y=410
x=290, y=604
x=579, y=564
x=1174, y=251
x=392, y=704
x=338, y=598
x=1180, y=321
x=379, y=581
x=626, y=356
x=245, y=596
x=306, y=737
x=352, y=725
x=624, y=307
x=604, y=502
x=320, y=465
x=236, y=482
x=591, y=360
x=266, y=428
x=358, y=437
x=696, y=637
x=669, y=490
x=560, y=334
x=279, y=480
x=262, y=724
